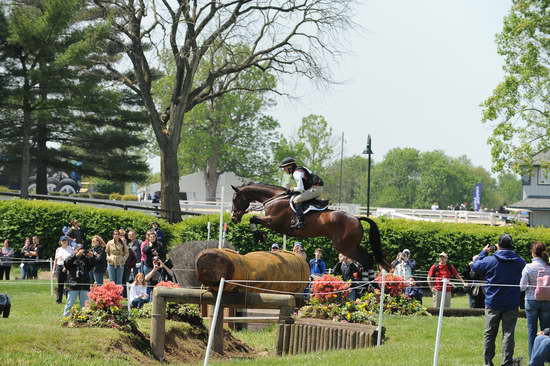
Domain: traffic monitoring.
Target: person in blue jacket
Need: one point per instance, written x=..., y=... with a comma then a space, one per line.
x=317, y=266
x=501, y=302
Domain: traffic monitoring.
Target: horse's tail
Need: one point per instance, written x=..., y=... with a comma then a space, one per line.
x=375, y=243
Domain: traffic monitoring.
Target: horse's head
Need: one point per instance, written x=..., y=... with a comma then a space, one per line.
x=240, y=205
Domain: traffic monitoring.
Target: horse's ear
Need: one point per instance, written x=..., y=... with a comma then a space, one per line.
x=235, y=188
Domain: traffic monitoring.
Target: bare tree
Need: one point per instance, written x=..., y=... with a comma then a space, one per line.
x=283, y=36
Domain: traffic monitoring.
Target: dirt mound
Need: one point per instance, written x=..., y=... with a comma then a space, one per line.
x=182, y=345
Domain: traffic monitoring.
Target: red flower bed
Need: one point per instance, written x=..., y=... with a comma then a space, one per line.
x=394, y=284
x=335, y=291
x=168, y=284
x=106, y=296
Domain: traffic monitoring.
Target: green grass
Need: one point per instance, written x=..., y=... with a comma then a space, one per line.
x=33, y=336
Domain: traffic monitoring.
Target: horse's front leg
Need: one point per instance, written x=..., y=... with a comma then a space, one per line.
x=262, y=220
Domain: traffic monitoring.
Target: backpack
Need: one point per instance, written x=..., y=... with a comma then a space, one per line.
x=542, y=291
x=5, y=305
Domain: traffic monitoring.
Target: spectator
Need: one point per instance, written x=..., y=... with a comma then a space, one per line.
x=536, y=310
x=317, y=266
x=129, y=268
x=298, y=249
x=34, y=256
x=274, y=247
x=501, y=302
x=435, y=206
x=137, y=292
x=541, y=349
x=117, y=252
x=6, y=258
x=152, y=249
x=63, y=252
x=156, y=228
x=78, y=268
x=348, y=270
x=74, y=232
x=476, y=294
x=405, y=266
x=134, y=244
x=25, y=252
x=397, y=260
x=436, y=274
x=412, y=291
x=161, y=271
x=100, y=256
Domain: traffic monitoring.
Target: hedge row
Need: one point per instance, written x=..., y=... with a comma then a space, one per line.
x=21, y=218
x=425, y=240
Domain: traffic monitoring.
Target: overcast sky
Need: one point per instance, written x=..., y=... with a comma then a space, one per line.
x=414, y=76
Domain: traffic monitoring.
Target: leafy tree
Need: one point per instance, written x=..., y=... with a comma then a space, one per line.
x=509, y=188
x=315, y=136
x=354, y=180
x=285, y=37
x=230, y=133
x=520, y=104
x=56, y=68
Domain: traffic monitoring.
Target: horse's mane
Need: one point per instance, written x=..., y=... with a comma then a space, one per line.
x=272, y=186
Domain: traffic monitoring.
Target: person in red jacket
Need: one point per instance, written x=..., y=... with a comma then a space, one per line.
x=436, y=274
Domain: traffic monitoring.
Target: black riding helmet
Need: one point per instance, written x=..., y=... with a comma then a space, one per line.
x=287, y=162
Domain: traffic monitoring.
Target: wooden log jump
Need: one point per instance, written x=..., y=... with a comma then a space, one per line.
x=213, y=264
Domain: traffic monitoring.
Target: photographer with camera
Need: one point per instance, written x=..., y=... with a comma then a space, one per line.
x=161, y=271
x=78, y=267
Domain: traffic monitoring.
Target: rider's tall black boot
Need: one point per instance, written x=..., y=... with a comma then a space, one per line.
x=299, y=224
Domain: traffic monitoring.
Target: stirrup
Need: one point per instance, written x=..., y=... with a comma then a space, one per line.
x=297, y=225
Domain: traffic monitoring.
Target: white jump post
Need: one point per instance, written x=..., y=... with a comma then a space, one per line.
x=440, y=321
x=214, y=321
x=284, y=242
x=381, y=310
x=51, y=277
x=220, y=235
x=208, y=227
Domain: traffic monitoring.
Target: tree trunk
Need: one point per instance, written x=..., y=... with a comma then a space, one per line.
x=169, y=181
x=41, y=165
x=211, y=177
x=26, y=150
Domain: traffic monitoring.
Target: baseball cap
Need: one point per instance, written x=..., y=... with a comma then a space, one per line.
x=275, y=246
x=406, y=251
x=443, y=254
x=63, y=238
x=297, y=244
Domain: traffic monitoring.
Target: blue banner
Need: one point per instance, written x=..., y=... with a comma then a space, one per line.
x=477, y=196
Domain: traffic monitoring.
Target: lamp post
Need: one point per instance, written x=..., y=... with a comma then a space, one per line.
x=368, y=151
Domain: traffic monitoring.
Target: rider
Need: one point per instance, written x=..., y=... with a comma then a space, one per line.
x=308, y=187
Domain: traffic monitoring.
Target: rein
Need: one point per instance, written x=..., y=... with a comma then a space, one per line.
x=269, y=201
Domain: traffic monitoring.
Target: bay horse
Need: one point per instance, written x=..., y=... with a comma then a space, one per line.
x=343, y=229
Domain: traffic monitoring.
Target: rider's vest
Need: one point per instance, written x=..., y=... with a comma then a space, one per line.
x=310, y=179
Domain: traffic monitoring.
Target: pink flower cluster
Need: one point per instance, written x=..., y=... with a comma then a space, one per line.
x=168, y=284
x=330, y=292
x=106, y=296
x=394, y=285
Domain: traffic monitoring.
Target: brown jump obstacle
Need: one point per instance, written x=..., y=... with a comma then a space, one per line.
x=214, y=264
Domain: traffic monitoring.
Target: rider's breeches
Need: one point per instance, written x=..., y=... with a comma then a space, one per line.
x=309, y=194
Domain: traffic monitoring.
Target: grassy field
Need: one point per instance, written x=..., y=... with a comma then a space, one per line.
x=33, y=336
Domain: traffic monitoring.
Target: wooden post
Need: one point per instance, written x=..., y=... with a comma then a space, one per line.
x=293, y=331
x=286, y=344
x=217, y=344
x=158, y=319
x=354, y=342
x=280, y=340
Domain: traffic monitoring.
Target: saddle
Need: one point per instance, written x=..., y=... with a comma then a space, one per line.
x=312, y=205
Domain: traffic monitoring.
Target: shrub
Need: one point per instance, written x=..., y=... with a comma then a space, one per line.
x=21, y=218
x=330, y=292
x=394, y=285
x=115, y=196
x=113, y=317
x=98, y=195
x=105, y=296
x=169, y=284
x=129, y=197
